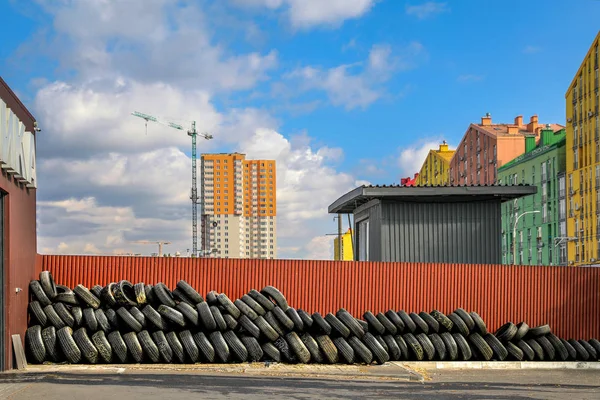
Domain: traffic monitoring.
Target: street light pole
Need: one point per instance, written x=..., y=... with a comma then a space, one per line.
x=515, y=234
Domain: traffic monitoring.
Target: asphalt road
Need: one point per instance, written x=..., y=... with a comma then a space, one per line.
x=480, y=385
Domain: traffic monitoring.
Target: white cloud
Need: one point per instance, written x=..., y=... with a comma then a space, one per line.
x=411, y=157
x=427, y=9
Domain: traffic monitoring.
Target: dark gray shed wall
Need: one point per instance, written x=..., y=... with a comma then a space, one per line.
x=372, y=211
x=462, y=232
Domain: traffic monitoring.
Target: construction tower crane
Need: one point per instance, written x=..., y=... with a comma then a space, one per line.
x=160, y=245
x=194, y=193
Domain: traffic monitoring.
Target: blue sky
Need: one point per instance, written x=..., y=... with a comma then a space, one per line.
x=355, y=91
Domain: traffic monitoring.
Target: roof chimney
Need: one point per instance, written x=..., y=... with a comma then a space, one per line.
x=403, y=181
x=519, y=120
x=487, y=120
x=443, y=146
x=512, y=129
x=533, y=124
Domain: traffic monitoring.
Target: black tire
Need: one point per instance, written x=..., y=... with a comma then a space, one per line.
x=450, y=345
x=219, y=344
x=265, y=303
x=570, y=349
x=237, y=347
x=284, y=348
x=68, y=346
x=443, y=320
x=274, y=323
x=364, y=324
x=96, y=290
x=77, y=314
x=463, y=346
x=129, y=320
x=481, y=345
x=89, y=319
x=172, y=315
x=480, y=326
x=549, y=351
x=176, y=346
x=271, y=352
x=166, y=353
x=306, y=319
x=409, y=324
x=328, y=349
x=345, y=351
x=218, y=317
x=283, y=319
x=245, y=309
x=514, y=352
x=582, y=354
x=320, y=325
x=351, y=323
x=522, y=329
x=35, y=344
x=427, y=345
x=249, y=326
x=107, y=296
x=138, y=315
x=150, y=296
x=382, y=343
x=254, y=305
x=421, y=325
x=275, y=295
x=404, y=355
x=86, y=296
x=590, y=349
x=416, y=351
x=434, y=326
x=266, y=329
x=232, y=324
x=103, y=346
x=316, y=355
x=134, y=346
x=211, y=298
x=497, y=347
x=180, y=297
x=118, y=346
x=163, y=295
x=393, y=349
x=205, y=316
x=396, y=320
x=36, y=289
x=594, y=342
x=140, y=293
x=374, y=324
x=380, y=354
x=48, y=284
x=149, y=348
x=537, y=349
x=387, y=324
x=466, y=317
x=189, y=313
x=362, y=352
x=207, y=350
x=124, y=293
x=528, y=352
x=459, y=325
x=293, y=315
x=39, y=316
x=83, y=341
x=541, y=330
x=438, y=345
x=561, y=350
x=255, y=352
x=299, y=349
x=189, y=345
x=190, y=292
x=154, y=317
x=338, y=327
x=103, y=323
x=65, y=295
x=51, y=344
x=53, y=318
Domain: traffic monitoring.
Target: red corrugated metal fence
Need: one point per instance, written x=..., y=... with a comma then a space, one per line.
x=566, y=298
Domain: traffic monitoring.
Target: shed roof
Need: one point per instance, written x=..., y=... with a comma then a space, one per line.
x=428, y=194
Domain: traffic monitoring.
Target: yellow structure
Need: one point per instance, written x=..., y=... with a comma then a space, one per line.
x=435, y=169
x=583, y=162
x=347, y=252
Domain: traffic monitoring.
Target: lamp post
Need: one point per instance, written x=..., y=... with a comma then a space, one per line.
x=515, y=234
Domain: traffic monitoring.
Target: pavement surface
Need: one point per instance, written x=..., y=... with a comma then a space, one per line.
x=151, y=384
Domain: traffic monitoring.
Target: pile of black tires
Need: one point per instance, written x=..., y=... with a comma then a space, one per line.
x=126, y=323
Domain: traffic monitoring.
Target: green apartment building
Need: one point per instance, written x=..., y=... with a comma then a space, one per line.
x=540, y=219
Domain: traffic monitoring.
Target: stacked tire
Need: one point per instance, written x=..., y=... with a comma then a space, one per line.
x=139, y=323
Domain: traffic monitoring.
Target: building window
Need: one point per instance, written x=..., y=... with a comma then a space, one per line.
x=362, y=234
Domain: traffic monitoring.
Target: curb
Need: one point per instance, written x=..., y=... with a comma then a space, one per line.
x=499, y=365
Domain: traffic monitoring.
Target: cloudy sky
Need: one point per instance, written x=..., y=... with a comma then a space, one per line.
x=339, y=92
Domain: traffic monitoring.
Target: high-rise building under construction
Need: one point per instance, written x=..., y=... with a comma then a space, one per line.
x=238, y=206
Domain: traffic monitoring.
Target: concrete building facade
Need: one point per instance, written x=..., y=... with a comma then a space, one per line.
x=435, y=170
x=486, y=146
x=540, y=236
x=347, y=250
x=583, y=161
x=239, y=207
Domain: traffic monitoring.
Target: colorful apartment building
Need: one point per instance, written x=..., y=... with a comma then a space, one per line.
x=485, y=147
x=538, y=221
x=346, y=250
x=238, y=206
x=583, y=161
x=436, y=167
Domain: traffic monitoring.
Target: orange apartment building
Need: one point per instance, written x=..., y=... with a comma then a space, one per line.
x=485, y=147
x=238, y=206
